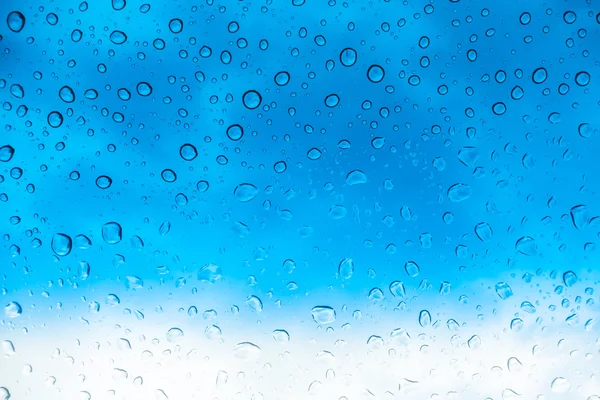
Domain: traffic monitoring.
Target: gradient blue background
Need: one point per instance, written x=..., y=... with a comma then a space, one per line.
x=531, y=170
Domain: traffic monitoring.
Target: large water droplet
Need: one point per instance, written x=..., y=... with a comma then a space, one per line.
x=61, y=244
x=112, y=233
x=503, y=290
x=323, y=314
x=15, y=21
x=13, y=310
x=346, y=268
x=459, y=192
x=246, y=351
x=580, y=215
x=254, y=304
x=245, y=192
x=210, y=273
x=560, y=385
x=174, y=335
x=527, y=246
x=356, y=177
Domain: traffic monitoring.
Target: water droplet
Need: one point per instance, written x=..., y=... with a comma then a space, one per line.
x=424, y=318
x=337, y=212
x=254, y=304
x=332, y=100
x=375, y=73
x=176, y=25
x=235, y=132
x=397, y=289
x=569, y=278
x=348, y=57
x=112, y=233
x=252, y=99
x=459, y=192
x=13, y=310
x=118, y=37
x=246, y=351
x=580, y=216
x=55, y=119
x=484, y=231
x=282, y=78
x=412, y=269
x=133, y=282
x=582, y=78
x=560, y=385
x=103, y=182
x=323, y=314
x=66, y=94
x=527, y=246
x=6, y=153
x=346, y=268
x=15, y=21
x=8, y=348
x=503, y=290
x=245, y=192
x=474, y=342
x=210, y=273
x=281, y=336
x=356, y=177
x=61, y=244
x=174, y=335
x=314, y=154
x=188, y=152
x=4, y=393
x=539, y=75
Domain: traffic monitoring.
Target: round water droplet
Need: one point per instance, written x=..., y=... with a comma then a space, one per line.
x=517, y=93
x=6, y=153
x=118, y=37
x=356, y=177
x=245, y=192
x=282, y=78
x=585, y=130
x=474, y=342
x=251, y=99
x=15, y=21
x=61, y=244
x=55, y=119
x=337, y=212
x=112, y=232
x=103, y=182
x=323, y=314
x=168, y=175
x=499, y=108
x=332, y=100
x=582, y=78
x=280, y=167
x=459, y=192
x=202, y=186
x=539, y=75
x=348, y=57
x=13, y=310
x=375, y=73
x=188, y=152
x=176, y=25
x=66, y=94
x=144, y=89
x=235, y=132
